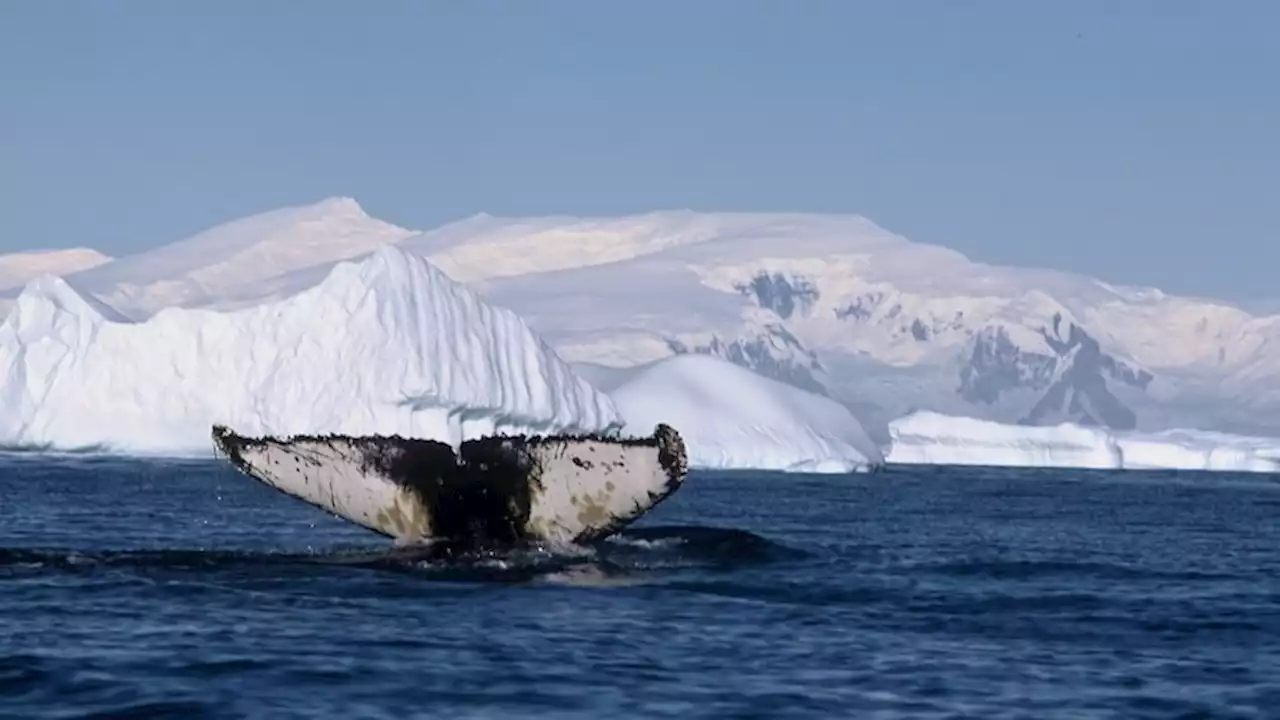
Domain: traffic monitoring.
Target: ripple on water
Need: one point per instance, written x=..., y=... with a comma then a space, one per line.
x=132, y=589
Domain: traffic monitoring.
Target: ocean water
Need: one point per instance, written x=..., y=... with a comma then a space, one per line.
x=153, y=589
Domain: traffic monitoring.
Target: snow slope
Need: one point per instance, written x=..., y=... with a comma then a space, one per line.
x=388, y=344
x=837, y=305
x=200, y=271
x=733, y=418
x=17, y=269
x=931, y=438
x=830, y=303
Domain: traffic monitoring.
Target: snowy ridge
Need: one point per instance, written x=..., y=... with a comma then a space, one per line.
x=387, y=345
x=829, y=303
x=17, y=269
x=836, y=304
x=205, y=267
x=930, y=438
x=731, y=418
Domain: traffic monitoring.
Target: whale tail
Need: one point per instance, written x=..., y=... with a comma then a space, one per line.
x=494, y=491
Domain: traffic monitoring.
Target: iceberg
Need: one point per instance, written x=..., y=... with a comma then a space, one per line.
x=937, y=439
x=733, y=418
x=386, y=344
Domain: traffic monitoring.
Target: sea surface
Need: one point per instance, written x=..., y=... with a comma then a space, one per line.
x=133, y=589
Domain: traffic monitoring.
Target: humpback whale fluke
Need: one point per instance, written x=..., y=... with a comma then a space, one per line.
x=494, y=491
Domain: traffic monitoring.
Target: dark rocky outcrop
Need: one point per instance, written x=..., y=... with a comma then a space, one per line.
x=784, y=296
x=1074, y=377
x=774, y=353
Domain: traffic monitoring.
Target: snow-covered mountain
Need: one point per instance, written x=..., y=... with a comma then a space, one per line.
x=825, y=302
x=202, y=269
x=18, y=269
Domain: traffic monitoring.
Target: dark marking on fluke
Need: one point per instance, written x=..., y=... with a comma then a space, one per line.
x=481, y=496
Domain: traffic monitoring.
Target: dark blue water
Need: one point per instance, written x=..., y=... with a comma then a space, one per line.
x=184, y=590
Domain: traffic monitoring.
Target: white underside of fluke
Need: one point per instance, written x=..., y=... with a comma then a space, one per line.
x=590, y=485
x=335, y=475
x=554, y=491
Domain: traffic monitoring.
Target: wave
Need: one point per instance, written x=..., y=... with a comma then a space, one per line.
x=631, y=551
x=1032, y=569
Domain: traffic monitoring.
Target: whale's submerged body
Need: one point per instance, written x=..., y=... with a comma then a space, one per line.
x=496, y=491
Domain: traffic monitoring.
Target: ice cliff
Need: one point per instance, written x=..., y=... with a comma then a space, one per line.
x=932, y=438
x=385, y=344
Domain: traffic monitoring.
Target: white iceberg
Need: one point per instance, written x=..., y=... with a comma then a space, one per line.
x=936, y=439
x=1198, y=450
x=387, y=344
x=732, y=418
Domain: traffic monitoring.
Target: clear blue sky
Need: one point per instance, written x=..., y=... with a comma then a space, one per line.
x=1136, y=140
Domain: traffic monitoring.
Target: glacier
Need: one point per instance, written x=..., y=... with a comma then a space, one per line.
x=381, y=344
x=240, y=324
x=387, y=344
x=842, y=306
x=732, y=418
x=932, y=438
x=831, y=303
